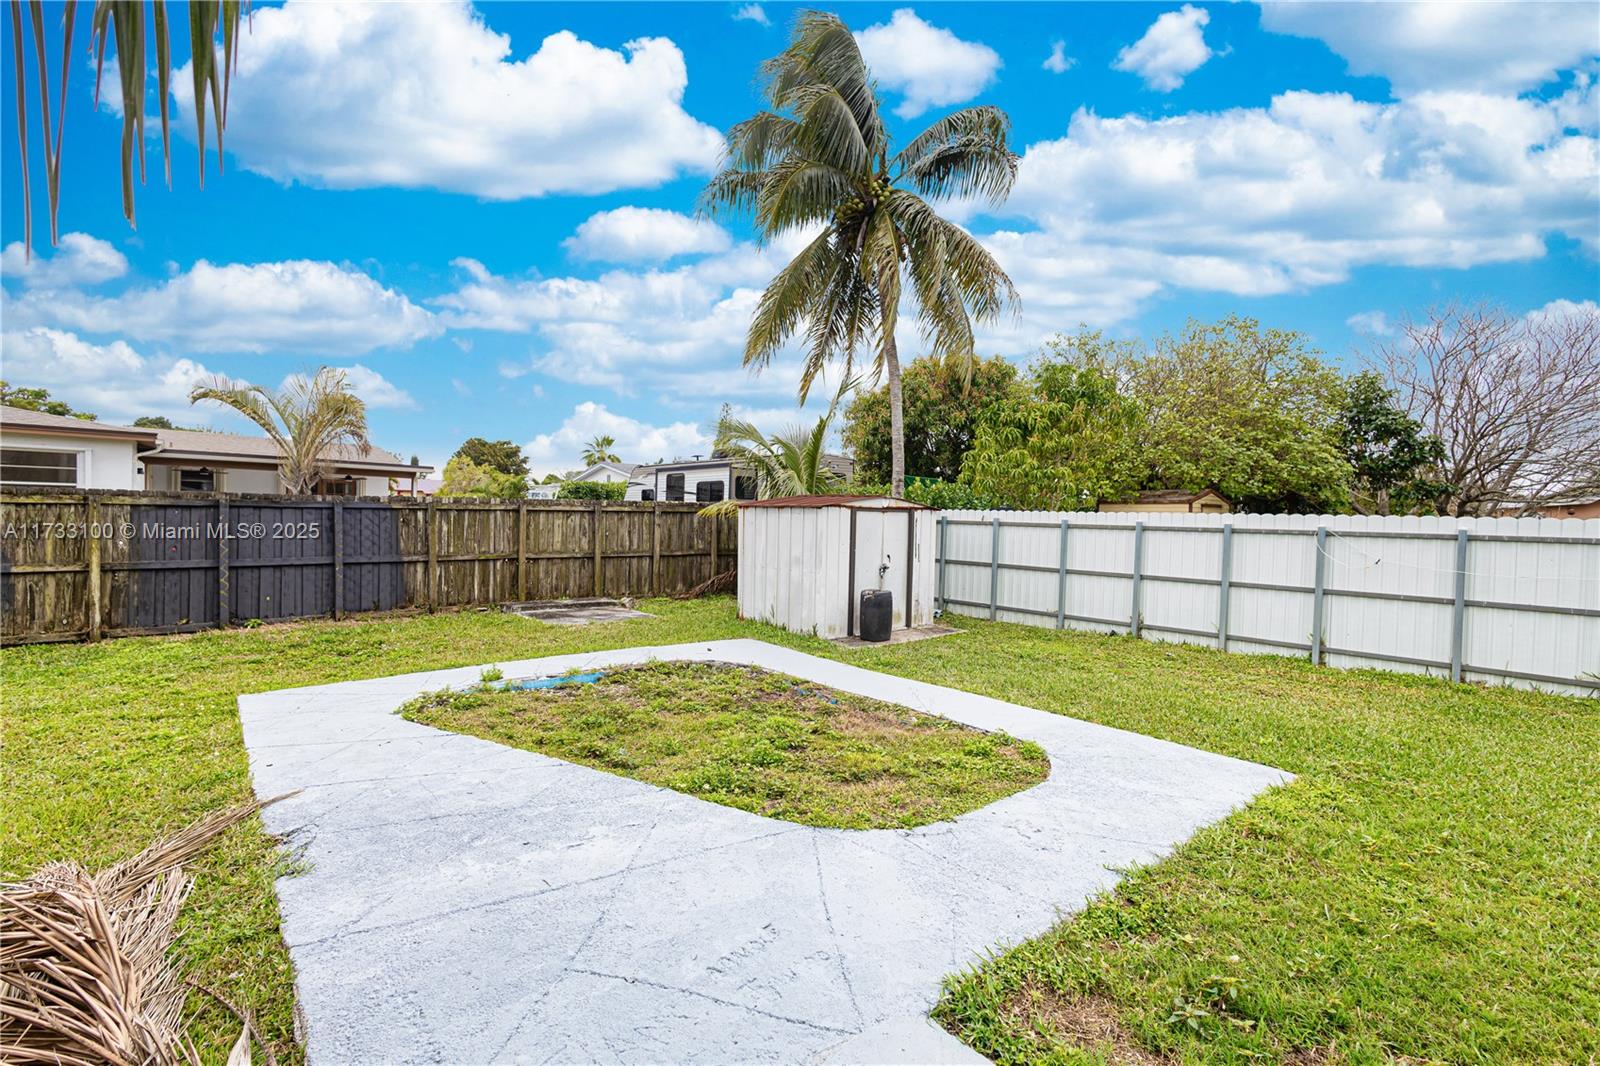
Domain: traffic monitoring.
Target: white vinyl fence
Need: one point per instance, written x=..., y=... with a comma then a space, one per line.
x=1500, y=600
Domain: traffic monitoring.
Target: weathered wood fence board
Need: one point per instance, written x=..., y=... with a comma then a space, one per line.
x=81, y=565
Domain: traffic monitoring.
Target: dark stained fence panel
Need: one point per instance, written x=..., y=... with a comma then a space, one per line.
x=160, y=557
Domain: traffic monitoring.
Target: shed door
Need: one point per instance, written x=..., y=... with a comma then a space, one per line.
x=883, y=549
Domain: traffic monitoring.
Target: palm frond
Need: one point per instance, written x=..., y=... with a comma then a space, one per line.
x=963, y=154
x=124, y=22
x=308, y=418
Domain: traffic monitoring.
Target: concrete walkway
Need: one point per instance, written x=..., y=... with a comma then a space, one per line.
x=469, y=902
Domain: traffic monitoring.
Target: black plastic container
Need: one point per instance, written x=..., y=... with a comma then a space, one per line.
x=877, y=614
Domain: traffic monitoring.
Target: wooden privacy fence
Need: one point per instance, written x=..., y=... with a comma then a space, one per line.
x=1478, y=599
x=86, y=565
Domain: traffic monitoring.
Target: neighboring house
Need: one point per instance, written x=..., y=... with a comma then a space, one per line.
x=421, y=488
x=708, y=480
x=56, y=451
x=605, y=472
x=1560, y=505
x=1206, y=501
x=1572, y=507
x=37, y=449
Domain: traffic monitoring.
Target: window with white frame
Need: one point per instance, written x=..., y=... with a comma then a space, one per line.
x=201, y=479
x=37, y=466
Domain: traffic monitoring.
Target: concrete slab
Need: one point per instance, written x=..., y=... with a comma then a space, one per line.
x=468, y=902
x=576, y=612
x=898, y=636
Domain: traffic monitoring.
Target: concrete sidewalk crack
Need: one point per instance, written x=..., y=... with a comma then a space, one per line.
x=833, y=933
x=712, y=999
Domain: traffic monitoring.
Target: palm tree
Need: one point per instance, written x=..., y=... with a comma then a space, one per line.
x=785, y=464
x=820, y=157
x=306, y=418
x=124, y=22
x=599, y=450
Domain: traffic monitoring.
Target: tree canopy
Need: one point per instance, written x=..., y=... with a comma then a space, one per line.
x=465, y=478
x=499, y=455
x=1253, y=412
x=306, y=418
x=1394, y=463
x=1065, y=440
x=943, y=399
x=30, y=399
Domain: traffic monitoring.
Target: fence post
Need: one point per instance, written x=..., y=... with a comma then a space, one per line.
x=338, y=560
x=522, y=552
x=93, y=518
x=716, y=535
x=1138, y=575
x=944, y=550
x=224, y=549
x=994, y=569
x=432, y=536
x=1458, y=613
x=599, y=555
x=1061, y=583
x=1316, y=594
x=655, y=546
x=1224, y=593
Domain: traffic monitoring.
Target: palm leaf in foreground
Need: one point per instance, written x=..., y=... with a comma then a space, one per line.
x=87, y=973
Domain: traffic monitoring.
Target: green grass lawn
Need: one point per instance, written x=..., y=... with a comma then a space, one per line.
x=759, y=741
x=1428, y=889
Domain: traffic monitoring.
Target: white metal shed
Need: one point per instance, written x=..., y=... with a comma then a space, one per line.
x=805, y=560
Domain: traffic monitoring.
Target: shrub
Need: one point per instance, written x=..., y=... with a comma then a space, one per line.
x=592, y=490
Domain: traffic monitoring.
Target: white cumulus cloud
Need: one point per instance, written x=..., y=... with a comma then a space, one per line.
x=425, y=95
x=929, y=65
x=1444, y=44
x=561, y=449
x=1257, y=201
x=643, y=234
x=79, y=259
x=752, y=13
x=1171, y=49
x=112, y=380
x=1058, y=62
x=295, y=305
x=376, y=390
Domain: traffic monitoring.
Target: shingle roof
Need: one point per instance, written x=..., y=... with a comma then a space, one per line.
x=21, y=418
x=237, y=444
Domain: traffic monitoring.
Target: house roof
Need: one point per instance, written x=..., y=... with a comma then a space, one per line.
x=206, y=445
x=839, y=464
x=865, y=503
x=625, y=469
x=17, y=418
x=1176, y=496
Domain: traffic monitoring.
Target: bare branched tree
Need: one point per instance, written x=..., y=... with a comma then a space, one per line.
x=1515, y=401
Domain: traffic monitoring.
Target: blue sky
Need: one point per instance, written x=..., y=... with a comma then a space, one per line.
x=487, y=212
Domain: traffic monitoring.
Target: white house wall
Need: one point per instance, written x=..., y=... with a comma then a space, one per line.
x=102, y=464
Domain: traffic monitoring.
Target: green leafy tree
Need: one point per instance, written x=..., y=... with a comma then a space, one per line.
x=501, y=455
x=307, y=419
x=599, y=450
x=592, y=490
x=943, y=400
x=38, y=400
x=154, y=422
x=1253, y=412
x=1394, y=463
x=820, y=158
x=465, y=478
x=1065, y=441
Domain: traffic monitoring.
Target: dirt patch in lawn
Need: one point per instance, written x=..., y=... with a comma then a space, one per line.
x=747, y=738
x=1087, y=1022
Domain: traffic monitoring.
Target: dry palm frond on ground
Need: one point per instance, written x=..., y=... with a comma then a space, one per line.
x=86, y=968
x=720, y=585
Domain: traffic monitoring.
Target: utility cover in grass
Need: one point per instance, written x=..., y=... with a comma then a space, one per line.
x=762, y=742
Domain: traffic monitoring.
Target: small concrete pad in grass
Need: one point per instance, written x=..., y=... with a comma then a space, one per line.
x=898, y=636
x=576, y=612
x=465, y=901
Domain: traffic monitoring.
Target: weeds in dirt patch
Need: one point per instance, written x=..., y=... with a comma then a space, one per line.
x=746, y=738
